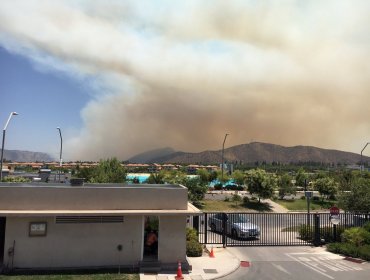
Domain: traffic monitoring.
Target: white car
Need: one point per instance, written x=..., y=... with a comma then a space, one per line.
x=237, y=225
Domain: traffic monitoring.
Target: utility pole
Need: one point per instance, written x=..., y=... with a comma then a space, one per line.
x=222, y=164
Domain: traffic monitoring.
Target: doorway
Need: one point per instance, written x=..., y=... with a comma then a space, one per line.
x=2, y=239
x=151, y=226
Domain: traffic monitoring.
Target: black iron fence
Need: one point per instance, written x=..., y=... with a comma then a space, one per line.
x=271, y=229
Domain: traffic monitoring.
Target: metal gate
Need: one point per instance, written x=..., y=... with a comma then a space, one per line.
x=270, y=229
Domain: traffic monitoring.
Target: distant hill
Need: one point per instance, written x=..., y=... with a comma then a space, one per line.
x=26, y=156
x=263, y=152
x=150, y=156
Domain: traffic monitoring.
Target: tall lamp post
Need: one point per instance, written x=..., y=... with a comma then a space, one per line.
x=222, y=164
x=2, y=147
x=361, y=155
x=61, y=150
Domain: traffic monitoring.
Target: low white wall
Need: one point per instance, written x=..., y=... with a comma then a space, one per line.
x=74, y=245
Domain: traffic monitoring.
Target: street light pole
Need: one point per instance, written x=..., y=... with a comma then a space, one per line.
x=2, y=146
x=61, y=150
x=222, y=164
x=361, y=166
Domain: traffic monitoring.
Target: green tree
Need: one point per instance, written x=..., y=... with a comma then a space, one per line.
x=155, y=178
x=300, y=177
x=236, y=198
x=204, y=175
x=107, y=171
x=286, y=187
x=260, y=183
x=172, y=176
x=326, y=186
x=196, y=188
x=222, y=178
x=238, y=177
x=355, y=196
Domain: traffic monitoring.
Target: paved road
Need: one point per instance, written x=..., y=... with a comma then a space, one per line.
x=295, y=263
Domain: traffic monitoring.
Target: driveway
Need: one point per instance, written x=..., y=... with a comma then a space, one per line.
x=295, y=263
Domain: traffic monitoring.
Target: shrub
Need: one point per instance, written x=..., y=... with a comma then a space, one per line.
x=345, y=249
x=366, y=226
x=326, y=233
x=334, y=247
x=191, y=234
x=198, y=204
x=226, y=199
x=365, y=252
x=193, y=248
x=303, y=197
x=356, y=236
x=245, y=200
x=306, y=232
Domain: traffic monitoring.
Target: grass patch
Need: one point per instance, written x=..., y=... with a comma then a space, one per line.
x=218, y=205
x=72, y=277
x=301, y=204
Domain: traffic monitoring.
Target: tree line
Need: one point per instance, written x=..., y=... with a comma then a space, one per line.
x=350, y=188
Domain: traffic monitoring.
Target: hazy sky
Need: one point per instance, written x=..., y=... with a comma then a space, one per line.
x=124, y=77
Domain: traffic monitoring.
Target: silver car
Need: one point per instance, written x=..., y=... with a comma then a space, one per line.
x=237, y=225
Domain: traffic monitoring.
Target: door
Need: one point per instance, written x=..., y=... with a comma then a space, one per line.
x=151, y=238
x=2, y=238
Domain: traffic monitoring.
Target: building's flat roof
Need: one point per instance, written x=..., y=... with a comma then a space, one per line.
x=191, y=210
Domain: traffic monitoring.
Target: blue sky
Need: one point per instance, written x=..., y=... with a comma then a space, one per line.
x=44, y=101
x=124, y=77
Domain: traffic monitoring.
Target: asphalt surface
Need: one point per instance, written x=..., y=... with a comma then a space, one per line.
x=286, y=263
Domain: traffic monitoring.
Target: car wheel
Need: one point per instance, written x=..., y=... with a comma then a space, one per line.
x=234, y=233
x=213, y=227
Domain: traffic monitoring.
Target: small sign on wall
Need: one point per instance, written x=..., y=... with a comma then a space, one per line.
x=38, y=229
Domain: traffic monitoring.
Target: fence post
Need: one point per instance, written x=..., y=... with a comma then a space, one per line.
x=205, y=228
x=224, y=230
x=317, y=240
x=196, y=224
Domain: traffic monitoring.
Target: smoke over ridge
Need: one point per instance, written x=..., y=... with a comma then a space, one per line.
x=181, y=74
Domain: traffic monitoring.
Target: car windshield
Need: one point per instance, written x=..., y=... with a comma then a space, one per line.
x=239, y=219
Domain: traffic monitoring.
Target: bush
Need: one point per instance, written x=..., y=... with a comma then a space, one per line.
x=245, y=200
x=326, y=233
x=345, y=249
x=226, y=199
x=198, y=204
x=306, y=232
x=193, y=248
x=334, y=247
x=356, y=236
x=191, y=234
x=365, y=252
x=366, y=226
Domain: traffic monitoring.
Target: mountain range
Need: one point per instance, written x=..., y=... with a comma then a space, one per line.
x=26, y=156
x=245, y=153
x=251, y=153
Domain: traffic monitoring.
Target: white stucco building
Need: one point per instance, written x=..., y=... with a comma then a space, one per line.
x=44, y=226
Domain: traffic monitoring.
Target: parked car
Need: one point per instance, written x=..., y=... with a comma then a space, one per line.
x=237, y=225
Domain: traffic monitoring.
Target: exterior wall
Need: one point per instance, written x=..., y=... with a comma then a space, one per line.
x=172, y=239
x=74, y=245
x=89, y=197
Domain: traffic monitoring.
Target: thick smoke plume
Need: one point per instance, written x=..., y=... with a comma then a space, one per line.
x=181, y=74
